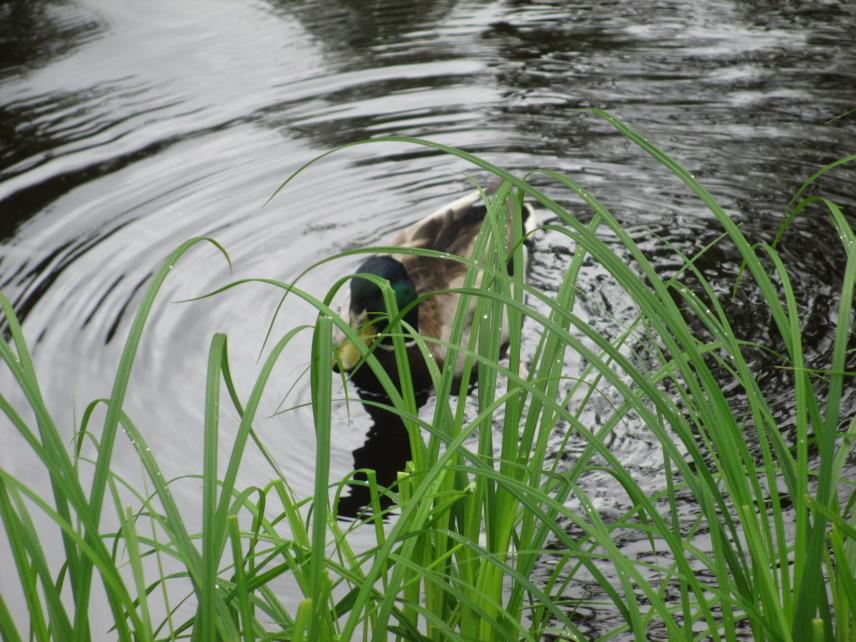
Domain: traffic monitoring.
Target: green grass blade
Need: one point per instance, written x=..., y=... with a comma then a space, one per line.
x=322, y=351
x=207, y=589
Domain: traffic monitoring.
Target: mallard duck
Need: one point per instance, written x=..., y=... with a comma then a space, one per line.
x=452, y=229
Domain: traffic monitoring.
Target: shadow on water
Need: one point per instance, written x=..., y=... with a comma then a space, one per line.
x=366, y=43
x=355, y=34
x=34, y=33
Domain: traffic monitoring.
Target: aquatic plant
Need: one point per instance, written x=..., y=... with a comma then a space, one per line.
x=490, y=528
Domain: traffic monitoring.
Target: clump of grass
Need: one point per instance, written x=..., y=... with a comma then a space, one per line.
x=482, y=500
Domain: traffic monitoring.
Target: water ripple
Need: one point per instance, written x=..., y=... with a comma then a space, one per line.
x=124, y=134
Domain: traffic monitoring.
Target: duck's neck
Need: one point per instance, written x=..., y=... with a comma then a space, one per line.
x=405, y=294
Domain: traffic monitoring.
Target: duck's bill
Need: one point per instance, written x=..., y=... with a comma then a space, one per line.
x=348, y=354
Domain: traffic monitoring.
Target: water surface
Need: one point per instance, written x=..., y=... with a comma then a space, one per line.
x=127, y=132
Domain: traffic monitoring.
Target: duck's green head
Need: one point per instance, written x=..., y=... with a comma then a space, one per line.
x=368, y=313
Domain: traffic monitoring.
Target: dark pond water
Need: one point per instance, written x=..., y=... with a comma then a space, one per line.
x=124, y=132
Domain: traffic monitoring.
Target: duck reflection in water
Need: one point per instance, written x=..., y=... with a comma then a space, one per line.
x=386, y=451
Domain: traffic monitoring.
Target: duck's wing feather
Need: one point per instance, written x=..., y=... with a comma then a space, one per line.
x=451, y=229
